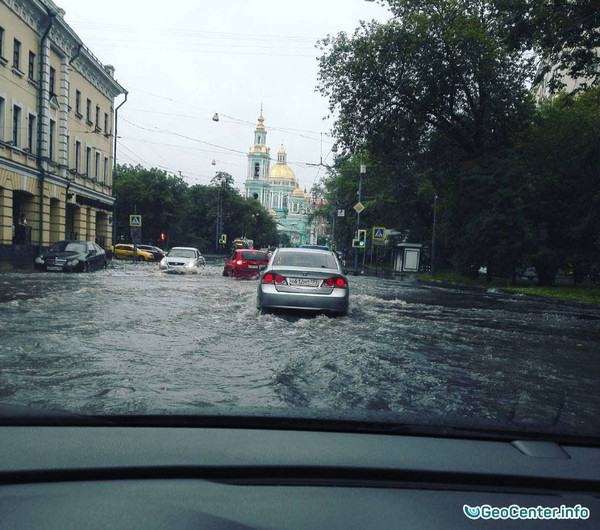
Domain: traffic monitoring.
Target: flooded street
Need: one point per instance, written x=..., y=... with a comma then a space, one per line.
x=134, y=340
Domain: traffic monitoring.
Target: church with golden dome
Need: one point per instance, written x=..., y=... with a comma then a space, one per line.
x=277, y=189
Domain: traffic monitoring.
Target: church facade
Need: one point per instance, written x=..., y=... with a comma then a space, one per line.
x=277, y=189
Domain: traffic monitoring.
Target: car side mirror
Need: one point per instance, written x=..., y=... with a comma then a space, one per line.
x=262, y=267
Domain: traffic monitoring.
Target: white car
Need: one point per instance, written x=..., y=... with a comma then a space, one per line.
x=530, y=273
x=182, y=260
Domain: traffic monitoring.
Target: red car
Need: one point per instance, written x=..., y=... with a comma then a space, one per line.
x=244, y=263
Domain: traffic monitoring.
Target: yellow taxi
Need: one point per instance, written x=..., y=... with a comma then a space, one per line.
x=125, y=251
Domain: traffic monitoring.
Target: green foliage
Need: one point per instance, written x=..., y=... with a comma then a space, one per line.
x=562, y=154
x=438, y=101
x=160, y=199
x=565, y=34
x=188, y=214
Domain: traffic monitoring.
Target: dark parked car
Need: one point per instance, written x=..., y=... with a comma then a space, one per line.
x=72, y=256
x=158, y=253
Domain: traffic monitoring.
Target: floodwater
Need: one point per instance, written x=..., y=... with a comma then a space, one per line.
x=131, y=339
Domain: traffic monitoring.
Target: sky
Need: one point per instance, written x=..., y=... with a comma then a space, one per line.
x=183, y=61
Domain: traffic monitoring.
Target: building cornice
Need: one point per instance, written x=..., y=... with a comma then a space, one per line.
x=65, y=42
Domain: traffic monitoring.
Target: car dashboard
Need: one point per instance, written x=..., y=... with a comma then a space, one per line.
x=91, y=477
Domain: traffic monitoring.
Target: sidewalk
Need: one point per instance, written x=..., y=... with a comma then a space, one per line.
x=17, y=256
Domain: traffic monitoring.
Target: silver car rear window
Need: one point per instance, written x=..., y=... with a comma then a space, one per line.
x=316, y=260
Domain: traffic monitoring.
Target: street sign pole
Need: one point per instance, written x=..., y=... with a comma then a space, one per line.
x=358, y=210
x=135, y=227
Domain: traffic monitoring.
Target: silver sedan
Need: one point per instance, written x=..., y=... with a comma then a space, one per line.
x=182, y=260
x=302, y=278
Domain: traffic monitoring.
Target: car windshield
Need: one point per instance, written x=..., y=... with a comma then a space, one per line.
x=255, y=256
x=69, y=246
x=181, y=253
x=445, y=151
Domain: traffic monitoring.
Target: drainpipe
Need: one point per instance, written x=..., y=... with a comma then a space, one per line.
x=114, y=217
x=40, y=164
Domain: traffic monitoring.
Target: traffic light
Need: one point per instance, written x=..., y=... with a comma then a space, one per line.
x=223, y=240
x=362, y=238
x=163, y=236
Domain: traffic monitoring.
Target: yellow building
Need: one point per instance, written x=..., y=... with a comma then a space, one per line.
x=56, y=130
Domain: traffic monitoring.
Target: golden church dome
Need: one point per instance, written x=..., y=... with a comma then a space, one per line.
x=298, y=193
x=282, y=171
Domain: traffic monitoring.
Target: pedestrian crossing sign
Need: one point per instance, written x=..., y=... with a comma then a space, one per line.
x=378, y=233
x=135, y=220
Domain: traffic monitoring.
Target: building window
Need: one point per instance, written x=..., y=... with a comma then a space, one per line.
x=52, y=140
x=77, y=156
x=16, y=126
x=31, y=71
x=31, y=133
x=88, y=162
x=285, y=201
x=2, y=44
x=97, y=165
x=52, y=81
x=97, y=118
x=78, y=103
x=105, y=173
x=256, y=170
x=106, y=123
x=17, y=55
x=2, y=117
x=88, y=111
x=68, y=152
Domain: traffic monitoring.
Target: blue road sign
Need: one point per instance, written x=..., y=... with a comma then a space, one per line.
x=378, y=233
x=135, y=220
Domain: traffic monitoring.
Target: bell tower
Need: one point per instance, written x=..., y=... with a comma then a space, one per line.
x=257, y=178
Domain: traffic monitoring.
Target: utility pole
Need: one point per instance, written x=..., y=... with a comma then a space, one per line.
x=333, y=247
x=114, y=167
x=435, y=198
x=219, y=228
x=360, y=174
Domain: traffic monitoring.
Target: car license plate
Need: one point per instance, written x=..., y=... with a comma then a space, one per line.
x=54, y=268
x=303, y=282
x=253, y=266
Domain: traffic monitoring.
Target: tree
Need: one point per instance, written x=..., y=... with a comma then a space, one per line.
x=160, y=198
x=435, y=98
x=188, y=215
x=562, y=154
x=564, y=34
